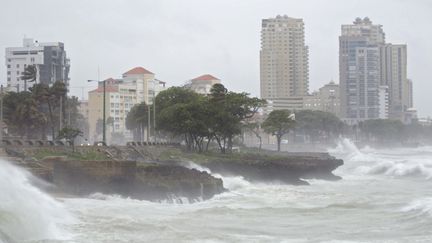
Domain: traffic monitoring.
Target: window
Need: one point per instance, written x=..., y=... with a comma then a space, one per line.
x=17, y=66
x=9, y=66
x=8, y=72
x=32, y=59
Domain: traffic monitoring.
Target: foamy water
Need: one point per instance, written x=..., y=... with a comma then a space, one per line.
x=385, y=196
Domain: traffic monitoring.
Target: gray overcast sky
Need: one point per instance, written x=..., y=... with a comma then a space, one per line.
x=179, y=40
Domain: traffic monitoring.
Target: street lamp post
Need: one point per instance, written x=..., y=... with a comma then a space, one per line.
x=103, y=109
x=154, y=111
x=1, y=116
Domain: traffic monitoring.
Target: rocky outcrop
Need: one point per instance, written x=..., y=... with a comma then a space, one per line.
x=289, y=169
x=152, y=182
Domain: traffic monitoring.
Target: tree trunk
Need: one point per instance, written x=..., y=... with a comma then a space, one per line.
x=220, y=144
x=260, y=142
x=52, y=120
x=229, y=144
x=208, y=142
x=279, y=138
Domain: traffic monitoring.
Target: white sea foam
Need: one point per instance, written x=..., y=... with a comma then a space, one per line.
x=26, y=213
x=229, y=182
x=420, y=206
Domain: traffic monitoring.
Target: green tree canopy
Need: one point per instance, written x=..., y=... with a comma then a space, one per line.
x=137, y=119
x=70, y=134
x=279, y=123
x=318, y=124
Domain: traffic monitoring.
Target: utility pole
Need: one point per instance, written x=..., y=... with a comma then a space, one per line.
x=60, y=115
x=1, y=116
x=154, y=110
x=103, y=109
x=104, y=118
x=148, y=122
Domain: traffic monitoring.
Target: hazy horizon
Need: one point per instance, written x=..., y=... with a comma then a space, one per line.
x=180, y=40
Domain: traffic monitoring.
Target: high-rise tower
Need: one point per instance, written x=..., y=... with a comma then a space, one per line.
x=359, y=71
x=284, y=67
x=372, y=72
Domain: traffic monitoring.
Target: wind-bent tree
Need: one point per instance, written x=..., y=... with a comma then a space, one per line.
x=383, y=130
x=110, y=121
x=279, y=123
x=29, y=75
x=70, y=134
x=98, y=128
x=255, y=128
x=31, y=113
x=197, y=118
x=318, y=125
x=22, y=115
x=137, y=119
x=230, y=109
x=51, y=97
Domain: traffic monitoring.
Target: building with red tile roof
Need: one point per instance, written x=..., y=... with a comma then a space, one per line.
x=137, y=71
x=203, y=83
x=136, y=85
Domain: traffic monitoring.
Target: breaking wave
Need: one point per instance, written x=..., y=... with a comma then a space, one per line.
x=27, y=213
x=368, y=161
x=420, y=207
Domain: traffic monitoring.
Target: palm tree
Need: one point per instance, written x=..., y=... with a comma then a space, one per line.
x=29, y=74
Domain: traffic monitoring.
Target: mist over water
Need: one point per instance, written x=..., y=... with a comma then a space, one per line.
x=384, y=196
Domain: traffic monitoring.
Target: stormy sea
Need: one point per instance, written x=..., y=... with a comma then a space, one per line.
x=385, y=196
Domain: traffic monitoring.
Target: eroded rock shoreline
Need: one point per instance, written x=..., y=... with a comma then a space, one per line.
x=158, y=173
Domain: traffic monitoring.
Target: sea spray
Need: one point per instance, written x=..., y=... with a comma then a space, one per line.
x=229, y=182
x=421, y=206
x=27, y=213
x=366, y=161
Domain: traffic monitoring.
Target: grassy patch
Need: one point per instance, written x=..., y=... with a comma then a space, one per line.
x=78, y=155
x=201, y=158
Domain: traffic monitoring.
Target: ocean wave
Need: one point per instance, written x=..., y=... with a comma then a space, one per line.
x=27, y=213
x=420, y=207
x=397, y=169
x=230, y=182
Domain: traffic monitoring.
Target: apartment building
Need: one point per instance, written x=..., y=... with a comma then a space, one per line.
x=203, y=83
x=49, y=58
x=284, y=65
x=136, y=85
x=326, y=99
x=372, y=72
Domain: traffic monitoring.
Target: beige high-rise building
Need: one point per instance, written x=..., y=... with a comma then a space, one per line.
x=394, y=76
x=284, y=64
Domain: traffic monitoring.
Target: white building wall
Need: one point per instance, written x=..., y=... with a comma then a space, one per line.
x=383, y=102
